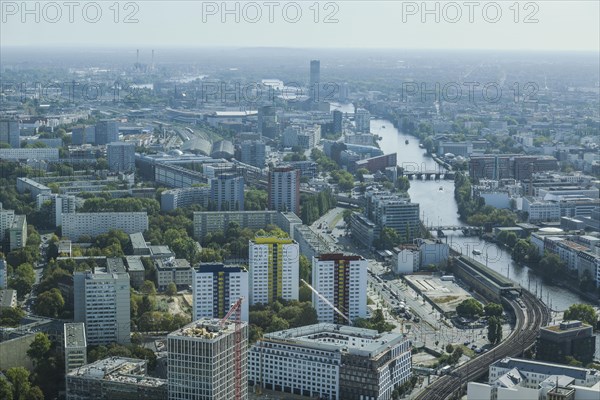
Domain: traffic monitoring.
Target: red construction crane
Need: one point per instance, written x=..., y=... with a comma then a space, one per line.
x=236, y=309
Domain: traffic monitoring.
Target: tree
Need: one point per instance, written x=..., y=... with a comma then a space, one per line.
x=449, y=348
x=582, y=312
x=551, y=266
x=6, y=392
x=171, y=289
x=50, y=303
x=278, y=324
x=494, y=330
x=11, y=316
x=388, y=239
x=493, y=310
x=39, y=348
x=19, y=378
x=305, y=268
x=469, y=308
x=23, y=279
x=148, y=288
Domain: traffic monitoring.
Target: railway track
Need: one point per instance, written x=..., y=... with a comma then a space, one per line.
x=530, y=314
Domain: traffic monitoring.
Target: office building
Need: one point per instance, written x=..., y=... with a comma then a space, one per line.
x=513, y=378
x=75, y=346
x=315, y=81
x=17, y=232
x=83, y=134
x=202, y=361
x=215, y=288
x=139, y=246
x=342, y=280
x=274, y=264
x=27, y=185
x=101, y=299
x=396, y=212
x=284, y=189
x=6, y=220
x=227, y=193
x=176, y=270
x=338, y=118
x=517, y=166
x=115, y=378
x=172, y=199
x=268, y=121
x=331, y=362
x=362, y=120
x=10, y=133
x=8, y=298
x=253, y=152
x=568, y=338
x=42, y=154
x=136, y=271
x=3, y=273
x=121, y=156
x=76, y=225
x=215, y=221
x=59, y=204
x=107, y=131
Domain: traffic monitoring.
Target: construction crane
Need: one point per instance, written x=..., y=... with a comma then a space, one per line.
x=327, y=301
x=236, y=309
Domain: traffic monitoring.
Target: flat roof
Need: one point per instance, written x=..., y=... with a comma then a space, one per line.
x=134, y=263
x=206, y=329
x=138, y=241
x=75, y=335
x=346, y=339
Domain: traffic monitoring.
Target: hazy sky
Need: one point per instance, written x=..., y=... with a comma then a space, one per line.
x=540, y=25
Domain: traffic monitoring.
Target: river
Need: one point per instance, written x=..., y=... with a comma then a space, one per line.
x=438, y=207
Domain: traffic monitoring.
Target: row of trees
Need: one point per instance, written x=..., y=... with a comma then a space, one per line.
x=314, y=206
x=280, y=315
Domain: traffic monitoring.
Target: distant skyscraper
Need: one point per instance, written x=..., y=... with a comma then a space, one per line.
x=315, y=80
x=10, y=133
x=274, y=264
x=362, y=120
x=83, y=134
x=343, y=92
x=268, y=122
x=342, y=280
x=102, y=302
x=201, y=364
x=107, y=131
x=337, y=121
x=215, y=288
x=227, y=192
x=121, y=156
x=284, y=189
x=253, y=153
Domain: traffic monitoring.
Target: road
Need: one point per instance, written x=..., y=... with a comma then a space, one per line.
x=530, y=313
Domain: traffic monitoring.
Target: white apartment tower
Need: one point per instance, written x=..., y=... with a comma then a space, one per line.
x=342, y=280
x=274, y=265
x=102, y=302
x=215, y=288
x=121, y=156
x=202, y=364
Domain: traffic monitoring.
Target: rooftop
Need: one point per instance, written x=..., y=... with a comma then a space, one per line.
x=119, y=369
x=75, y=335
x=138, y=241
x=134, y=263
x=345, y=339
x=205, y=328
x=545, y=368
